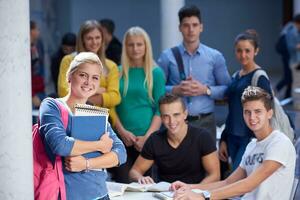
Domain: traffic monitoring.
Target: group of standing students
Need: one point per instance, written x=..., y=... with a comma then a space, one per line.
x=131, y=92
x=85, y=79
x=138, y=81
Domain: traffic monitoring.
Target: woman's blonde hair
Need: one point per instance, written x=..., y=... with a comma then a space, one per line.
x=85, y=28
x=148, y=60
x=81, y=58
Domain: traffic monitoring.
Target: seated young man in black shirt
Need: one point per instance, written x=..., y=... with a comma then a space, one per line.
x=181, y=152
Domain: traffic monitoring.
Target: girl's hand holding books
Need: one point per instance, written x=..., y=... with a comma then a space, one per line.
x=106, y=143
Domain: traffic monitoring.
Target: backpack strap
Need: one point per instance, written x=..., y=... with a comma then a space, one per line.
x=256, y=75
x=58, y=161
x=235, y=74
x=178, y=58
x=64, y=113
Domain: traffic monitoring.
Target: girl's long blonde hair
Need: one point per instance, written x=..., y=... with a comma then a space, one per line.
x=147, y=64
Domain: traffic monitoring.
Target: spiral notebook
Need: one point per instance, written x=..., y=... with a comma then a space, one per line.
x=89, y=123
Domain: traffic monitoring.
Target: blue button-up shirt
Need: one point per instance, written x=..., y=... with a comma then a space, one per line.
x=206, y=65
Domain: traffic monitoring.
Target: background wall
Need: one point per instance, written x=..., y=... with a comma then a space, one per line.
x=223, y=20
x=125, y=13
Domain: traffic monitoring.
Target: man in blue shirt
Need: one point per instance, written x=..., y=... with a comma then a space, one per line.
x=288, y=46
x=205, y=71
x=292, y=32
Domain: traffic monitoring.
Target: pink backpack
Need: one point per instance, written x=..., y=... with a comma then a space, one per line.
x=48, y=178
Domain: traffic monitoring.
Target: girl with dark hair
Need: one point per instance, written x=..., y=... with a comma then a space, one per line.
x=236, y=134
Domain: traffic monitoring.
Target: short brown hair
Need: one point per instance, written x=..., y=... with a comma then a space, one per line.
x=253, y=93
x=169, y=98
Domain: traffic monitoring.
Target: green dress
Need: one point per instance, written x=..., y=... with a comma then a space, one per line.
x=136, y=109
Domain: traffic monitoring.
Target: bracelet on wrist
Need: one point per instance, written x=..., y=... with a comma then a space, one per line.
x=87, y=165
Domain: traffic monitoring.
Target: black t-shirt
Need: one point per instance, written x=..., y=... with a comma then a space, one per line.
x=183, y=163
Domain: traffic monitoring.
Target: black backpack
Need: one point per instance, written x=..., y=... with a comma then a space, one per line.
x=281, y=45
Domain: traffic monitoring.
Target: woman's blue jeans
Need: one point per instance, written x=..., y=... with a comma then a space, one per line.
x=236, y=146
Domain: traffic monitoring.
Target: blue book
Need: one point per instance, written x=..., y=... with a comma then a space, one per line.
x=88, y=127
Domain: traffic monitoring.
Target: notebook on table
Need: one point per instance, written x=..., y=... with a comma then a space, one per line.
x=169, y=195
x=89, y=123
x=118, y=189
x=164, y=195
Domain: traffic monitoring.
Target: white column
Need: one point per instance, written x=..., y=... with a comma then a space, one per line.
x=170, y=35
x=296, y=7
x=16, y=175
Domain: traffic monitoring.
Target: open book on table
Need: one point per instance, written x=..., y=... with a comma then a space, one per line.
x=118, y=189
x=170, y=194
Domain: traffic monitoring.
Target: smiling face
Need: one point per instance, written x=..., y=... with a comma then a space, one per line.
x=190, y=28
x=257, y=117
x=84, y=82
x=245, y=53
x=173, y=117
x=92, y=40
x=136, y=48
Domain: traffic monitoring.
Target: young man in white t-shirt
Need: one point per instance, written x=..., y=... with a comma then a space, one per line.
x=266, y=171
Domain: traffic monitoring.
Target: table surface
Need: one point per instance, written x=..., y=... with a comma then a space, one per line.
x=135, y=196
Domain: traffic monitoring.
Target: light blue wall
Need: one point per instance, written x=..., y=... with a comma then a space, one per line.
x=63, y=16
x=223, y=20
x=125, y=13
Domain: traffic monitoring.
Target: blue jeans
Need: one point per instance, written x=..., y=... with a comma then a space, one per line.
x=236, y=146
